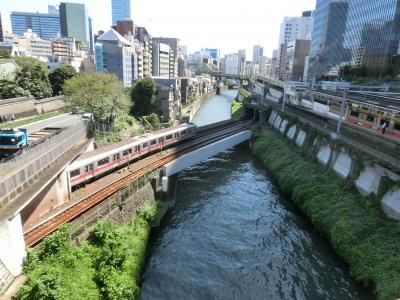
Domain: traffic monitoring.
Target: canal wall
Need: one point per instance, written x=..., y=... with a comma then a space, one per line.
x=190, y=110
x=324, y=177
x=369, y=175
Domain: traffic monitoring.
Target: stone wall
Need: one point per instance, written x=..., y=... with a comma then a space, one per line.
x=341, y=160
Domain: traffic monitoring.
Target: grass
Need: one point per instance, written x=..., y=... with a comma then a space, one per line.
x=237, y=109
x=106, y=266
x=25, y=121
x=358, y=230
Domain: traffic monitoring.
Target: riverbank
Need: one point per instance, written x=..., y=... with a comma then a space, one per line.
x=105, y=266
x=357, y=229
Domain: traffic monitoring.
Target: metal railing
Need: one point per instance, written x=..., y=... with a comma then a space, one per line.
x=16, y=172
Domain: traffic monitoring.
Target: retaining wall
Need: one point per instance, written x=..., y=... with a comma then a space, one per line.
x=343, y=163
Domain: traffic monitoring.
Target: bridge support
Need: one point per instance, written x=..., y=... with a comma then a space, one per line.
x=12, y=245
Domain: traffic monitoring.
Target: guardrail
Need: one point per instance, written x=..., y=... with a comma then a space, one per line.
x=25, y=167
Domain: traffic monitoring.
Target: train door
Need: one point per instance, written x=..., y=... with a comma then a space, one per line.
x=89, y=171
x=116, y=158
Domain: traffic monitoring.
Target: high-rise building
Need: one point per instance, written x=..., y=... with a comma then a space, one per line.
x=296, y=53
x=327, y=51
x=35, y=45
x=232, y=64
x=373, y=32
x=146, y=41
x=121, y=10
x=173, y=43
x=296, y=28
x=242, y=62
x=258, y=53
x=354, y=32
x=162, y=56
x=74, y=23
x=91, y=38
x=1, y=30
x=46, y=26
x=116, y=55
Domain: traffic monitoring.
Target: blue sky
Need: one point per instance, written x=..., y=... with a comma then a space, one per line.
x=224, y=24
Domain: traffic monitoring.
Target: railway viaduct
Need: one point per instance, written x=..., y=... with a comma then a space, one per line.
x=26, y=215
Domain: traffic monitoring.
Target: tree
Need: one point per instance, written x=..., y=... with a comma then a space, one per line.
x=143, y=96
x=32, y=76
x=206, y=69
x=11, y=90
x=99, y=93
x=5, y=54
x=59, y=76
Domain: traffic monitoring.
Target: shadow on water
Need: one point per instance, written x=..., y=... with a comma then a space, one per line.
x=232, y=235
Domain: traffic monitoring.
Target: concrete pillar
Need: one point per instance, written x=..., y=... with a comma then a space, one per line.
x=165, y=182
x=12, y=245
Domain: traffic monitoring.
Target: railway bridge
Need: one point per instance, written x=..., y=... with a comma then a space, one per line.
x=27, y=222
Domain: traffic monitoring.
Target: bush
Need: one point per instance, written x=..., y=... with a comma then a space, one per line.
x=360, y=233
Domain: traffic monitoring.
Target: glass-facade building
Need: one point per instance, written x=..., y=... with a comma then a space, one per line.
x=354, y=32
x=121, y=10
x=74, y=23
x=46, y=26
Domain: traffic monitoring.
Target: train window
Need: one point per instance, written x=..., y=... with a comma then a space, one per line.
x=89, y=168
x=145, y=145
x=176, y=135
x=137, y=148
x=116, y=156
x=168, y=137
x=127, y=152
x=160, y=140
x=75, y=173
x=153, y=142
x=103, y=162
x=183, y=132
x=370, y=118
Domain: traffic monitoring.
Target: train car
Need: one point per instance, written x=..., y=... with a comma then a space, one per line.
x=12, y=140
x=100, y=162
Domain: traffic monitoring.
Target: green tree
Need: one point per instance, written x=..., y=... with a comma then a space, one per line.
x=59, y=76
x=143, y=96
x=4, y=54
x=206, y=69
x=99, y=93
x=32, y=76
x=11, y=90
x=154, y=121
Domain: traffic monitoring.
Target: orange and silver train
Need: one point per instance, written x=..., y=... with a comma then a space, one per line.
x=96, y=163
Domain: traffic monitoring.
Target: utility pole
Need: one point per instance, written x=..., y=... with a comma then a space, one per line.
x=341, y=112
x=284, y=95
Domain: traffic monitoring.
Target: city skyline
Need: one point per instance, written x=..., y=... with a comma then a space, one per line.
x=175, y=19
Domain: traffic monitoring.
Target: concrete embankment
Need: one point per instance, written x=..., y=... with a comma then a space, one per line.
x=344, y=193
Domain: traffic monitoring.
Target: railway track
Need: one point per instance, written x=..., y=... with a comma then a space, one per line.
x=35, y=235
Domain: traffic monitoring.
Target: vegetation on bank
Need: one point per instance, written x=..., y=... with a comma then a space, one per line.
x=25, y=121
x=106, y=266
x=358, y=229
x=237, y=109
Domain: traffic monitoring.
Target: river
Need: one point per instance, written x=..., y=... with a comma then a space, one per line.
x=232, y=235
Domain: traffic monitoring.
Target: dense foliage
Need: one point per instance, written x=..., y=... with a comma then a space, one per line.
x=59, y=76
x=100, y=94
x=369, y=75
x=32, y=76
x=357, y=229
x=11, y=90
x=143, y=95
x=206, y=69
x=237, y=109
x=106, y=266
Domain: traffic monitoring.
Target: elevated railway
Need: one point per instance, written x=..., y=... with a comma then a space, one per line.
x=205, y=136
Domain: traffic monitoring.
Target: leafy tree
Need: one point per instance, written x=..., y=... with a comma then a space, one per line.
x=99, y=93
x=32, y=76
x=59, y=76
x=206, y=69
x=154, y=121
x=11, y=90
x=143, y=96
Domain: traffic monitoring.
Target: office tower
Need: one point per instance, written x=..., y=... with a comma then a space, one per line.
x=121, y=10
x=74, y=23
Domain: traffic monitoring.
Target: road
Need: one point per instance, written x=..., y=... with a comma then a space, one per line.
x=61, y=121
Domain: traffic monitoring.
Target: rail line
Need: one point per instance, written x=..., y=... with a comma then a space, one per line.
x=35, y=235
